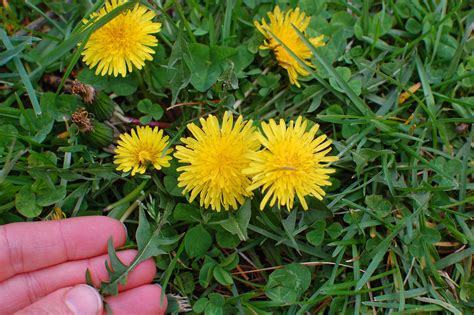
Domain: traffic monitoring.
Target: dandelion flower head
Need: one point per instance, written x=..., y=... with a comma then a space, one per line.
x=124, y=42
x=292, y=163
x=141, y=148
x=281, y=27
x=214, y=159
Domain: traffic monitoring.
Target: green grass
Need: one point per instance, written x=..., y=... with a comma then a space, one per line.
x=393, y=235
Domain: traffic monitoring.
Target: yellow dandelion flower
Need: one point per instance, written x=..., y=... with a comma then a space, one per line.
x=292, y=162
x=215, y=157
x=143, y=147
x=122, y=43
x=281, y=27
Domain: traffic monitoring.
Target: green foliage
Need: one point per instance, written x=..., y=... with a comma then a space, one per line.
x=394, y=234
x=150, y=243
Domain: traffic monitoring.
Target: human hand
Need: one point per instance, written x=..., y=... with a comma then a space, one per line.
x=43, y=265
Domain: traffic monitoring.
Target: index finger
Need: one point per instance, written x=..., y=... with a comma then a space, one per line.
x=34, y=245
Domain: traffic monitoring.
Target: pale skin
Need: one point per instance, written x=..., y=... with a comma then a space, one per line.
x=43, y=264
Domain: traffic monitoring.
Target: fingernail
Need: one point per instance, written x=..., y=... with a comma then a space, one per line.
x=83, y=300
x=125, y=228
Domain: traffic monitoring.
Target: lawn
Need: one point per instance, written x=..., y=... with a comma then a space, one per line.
x=196, y=124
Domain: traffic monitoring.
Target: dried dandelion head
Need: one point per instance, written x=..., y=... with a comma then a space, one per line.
x=82, y=119
x=85, y=91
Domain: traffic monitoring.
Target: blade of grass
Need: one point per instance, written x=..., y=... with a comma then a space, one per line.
x=23, y=75
x=380, y=250
x=45, y=16
x=6, y=56
x=313, y=73
x=356, y=100
x=418, y=157
x=453, y=66
x=356, y=272
x=179, y=8
x=430, y=102
x=229, y=8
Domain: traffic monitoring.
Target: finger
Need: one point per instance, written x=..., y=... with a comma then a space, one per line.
x=81, y=299
x=21, y=290
x=31, y=246
x=143, y=300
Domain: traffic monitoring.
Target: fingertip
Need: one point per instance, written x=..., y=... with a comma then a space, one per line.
x=78, y=300
x=151, y=301
x=83, y=299
x=35, y=245
x=117, y=229
x=99, y=228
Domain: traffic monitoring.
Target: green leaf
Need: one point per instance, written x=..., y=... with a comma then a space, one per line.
x=334, y=230
x=185, y=281
x=59, y=106
x=87, y=76
x=430, y=235
x=227, y=240
x=124, y=86
x=238, y=224
x=207, y=64
x=316, y=235
x=301, y=274
x=213, y=309
x=25, y=202
x=197, y=241
x=282, y=295
x=206, y=272
x=379, y=204
x=171, y=185
x=200, y=305
x=50, y=196
x=216, y=299
x=242, y=59
x=116, y=271
x=467, y=292
x=222, y=275
x=186, y=212
x=149, y=241
x=413, y=26
x=40, y=126
x=287, y=284
x=178, y=71
x=145, y=120
x=289, y=227
x=147, y=107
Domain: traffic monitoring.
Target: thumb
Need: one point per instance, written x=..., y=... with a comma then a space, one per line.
x=78, y=300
